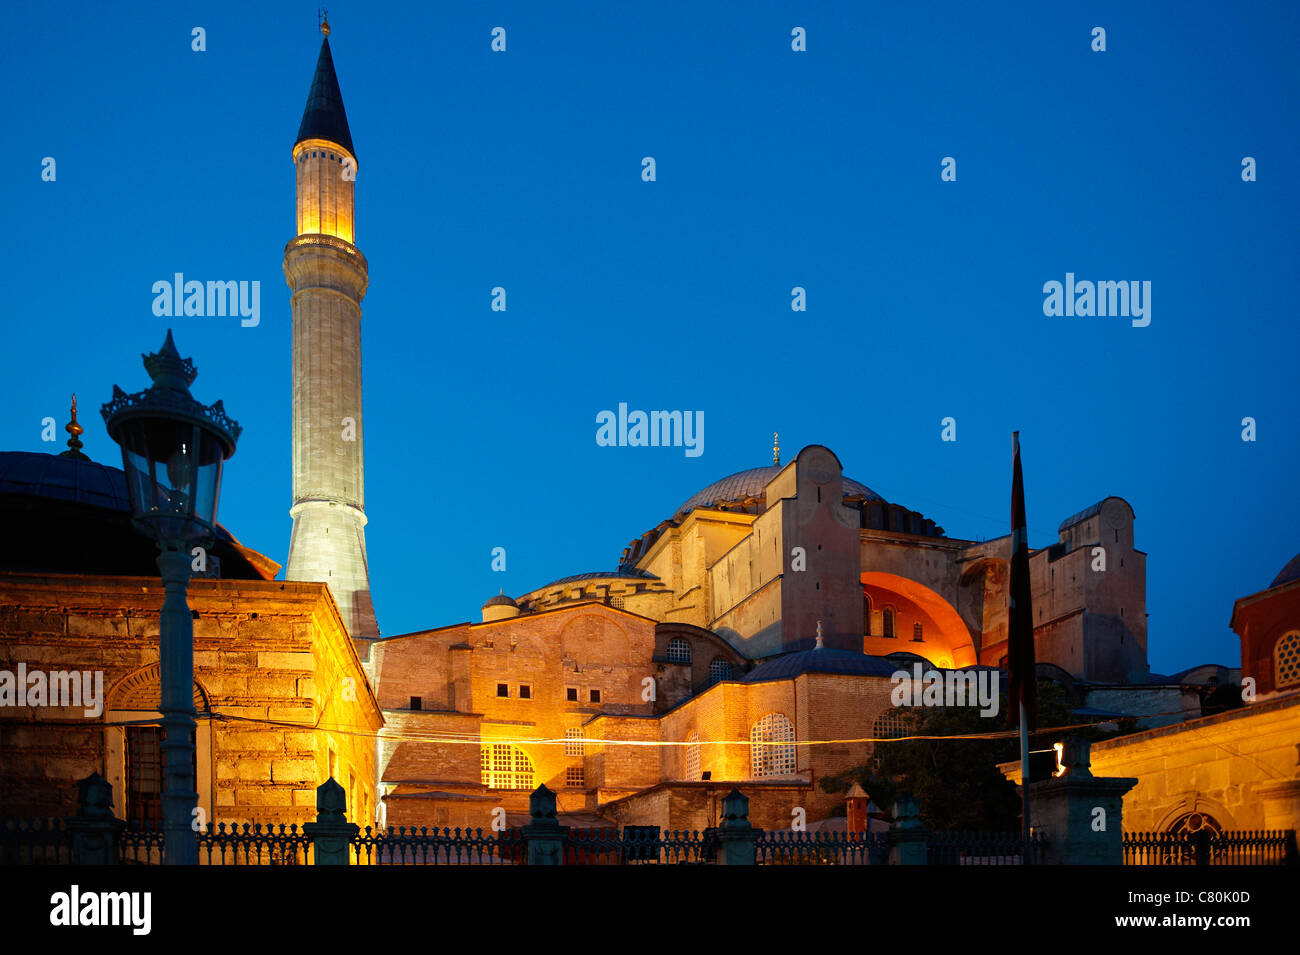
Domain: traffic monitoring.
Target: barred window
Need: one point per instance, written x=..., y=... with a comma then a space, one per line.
x=679, y=651
x=506, y=767
x=719, y=669
x=916, y=632
x=892, y=724
x=573, y=741
x=573, y=777
x=616, y=602
x=866, y=614
x=768, y=759
x=1286, y=660
x=692, y=757
x=889, y=621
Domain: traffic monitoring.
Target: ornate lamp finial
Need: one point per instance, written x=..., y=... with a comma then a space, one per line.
x=324, y=22
x=776, y=449
x=76, y=430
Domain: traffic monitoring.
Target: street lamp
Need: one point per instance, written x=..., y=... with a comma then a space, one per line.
x=173, y=449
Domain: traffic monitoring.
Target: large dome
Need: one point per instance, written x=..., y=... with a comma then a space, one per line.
x=745, y=485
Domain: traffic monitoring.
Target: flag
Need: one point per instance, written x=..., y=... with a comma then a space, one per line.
x=1020, y=611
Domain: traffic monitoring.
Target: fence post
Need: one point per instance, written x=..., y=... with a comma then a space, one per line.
x=331, y=834
x=909, y=842
x=94, y=829
x=1081, y=814
x=737, y=835
x=543, y=836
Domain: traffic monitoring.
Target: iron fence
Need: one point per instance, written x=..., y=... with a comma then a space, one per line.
x=36, y=842
x=984, y=848
x=435, y=846
x=1206, y=847
x=639, y=845
x=785, y=847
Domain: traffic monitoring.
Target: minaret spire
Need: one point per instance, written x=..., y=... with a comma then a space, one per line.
x=329, y=277
x=776, y=449
x=76, y=430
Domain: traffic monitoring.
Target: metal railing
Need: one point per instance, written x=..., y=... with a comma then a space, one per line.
x=1207, y=847
x=435, y=846
x=984, y=848
x=784, y=847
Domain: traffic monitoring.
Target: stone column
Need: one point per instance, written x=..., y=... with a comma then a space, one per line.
x=1081, y=814
x=94, y=829
x=544, y=836
x=909, y=842
x=331, y=834
x=737, y=836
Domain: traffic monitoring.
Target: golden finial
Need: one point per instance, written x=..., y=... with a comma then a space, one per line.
x=76, y=430
x=324, y=22
x=776, y=449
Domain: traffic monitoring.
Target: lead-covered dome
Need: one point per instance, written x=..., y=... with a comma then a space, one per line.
x=751, y=485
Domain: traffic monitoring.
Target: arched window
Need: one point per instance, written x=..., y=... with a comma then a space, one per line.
x=719, y=670
x=691, y=757
x=772, y=746
x=573, y=745
x=916, y=632
x=679, y=650
x=506, y=767
x=1195, y=822
x=1286, y=661
x=889, y=621
x=866, y=614
x=892, y=724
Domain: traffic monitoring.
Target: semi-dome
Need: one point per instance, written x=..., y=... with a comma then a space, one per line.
x=746, y=485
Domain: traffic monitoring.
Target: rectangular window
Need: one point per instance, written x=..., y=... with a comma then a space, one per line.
x=525, y=691
x=571, y=694
x=144, y=774
x=415, y=702
x=573, y=777
x=573, y=741
x=595, y=696
x=503, y=689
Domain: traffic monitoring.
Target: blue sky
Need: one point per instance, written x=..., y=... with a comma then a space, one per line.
x=819, y=169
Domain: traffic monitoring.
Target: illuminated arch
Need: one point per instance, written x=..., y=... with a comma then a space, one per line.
x=506, y=766
x=947, y=641
x=767, y=759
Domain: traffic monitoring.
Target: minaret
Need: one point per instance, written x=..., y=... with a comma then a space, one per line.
x=328, y=276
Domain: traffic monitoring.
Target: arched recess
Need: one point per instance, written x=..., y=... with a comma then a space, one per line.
x=132, y=726
x=947, y=641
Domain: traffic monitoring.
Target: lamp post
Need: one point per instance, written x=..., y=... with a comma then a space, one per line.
x=173, y=449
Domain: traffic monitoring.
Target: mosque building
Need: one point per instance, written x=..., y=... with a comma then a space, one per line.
x=748, y=639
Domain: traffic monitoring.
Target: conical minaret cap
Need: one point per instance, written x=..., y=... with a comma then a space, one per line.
x=324, y=116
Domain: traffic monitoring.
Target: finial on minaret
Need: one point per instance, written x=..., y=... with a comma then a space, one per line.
x=776, y=449
x=324, y=22
x=819, y=636
x=76, y=430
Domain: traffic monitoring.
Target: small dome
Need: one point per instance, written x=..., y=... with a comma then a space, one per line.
x=500, y=600
x=1288, y=573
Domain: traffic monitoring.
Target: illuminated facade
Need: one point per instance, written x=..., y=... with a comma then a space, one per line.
x=770, y=611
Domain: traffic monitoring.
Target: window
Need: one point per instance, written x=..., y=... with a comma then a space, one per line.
x=506, y=767
x=595, y=696
x=1286, y=660
x=525, y=691
x=866, y=615
x=573, y=777
x=679, y=651
x=889, y=621
x=892, y=724
x=415, y=702
x=719, y=670
x=771, y=742
x=573, y=741
x=144, y=774
x=916, y=633
x=503, y=689
x=692, y=757
x=571, y=694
